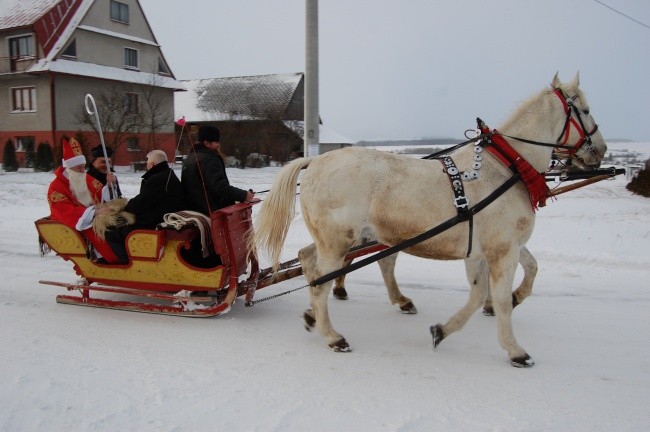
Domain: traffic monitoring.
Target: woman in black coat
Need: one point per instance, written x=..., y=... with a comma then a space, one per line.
x=204, y=173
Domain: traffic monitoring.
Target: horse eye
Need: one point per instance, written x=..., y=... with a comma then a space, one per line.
x=586, y=112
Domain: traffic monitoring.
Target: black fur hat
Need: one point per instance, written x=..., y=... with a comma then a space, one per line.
x=208, y=133
x=97, y=152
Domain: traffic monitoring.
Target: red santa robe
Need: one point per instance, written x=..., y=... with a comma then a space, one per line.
x=65, y=208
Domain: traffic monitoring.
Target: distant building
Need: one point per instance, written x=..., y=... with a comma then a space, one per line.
x=54, y=52
x=255, y=114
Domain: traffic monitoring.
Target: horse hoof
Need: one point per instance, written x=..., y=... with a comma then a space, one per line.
x=340, y=345
x=310, y=322
x=437, y=333
x=515, y=302
x=524, y=361
x=488, y=311
x=408, y=308
x=340, y=293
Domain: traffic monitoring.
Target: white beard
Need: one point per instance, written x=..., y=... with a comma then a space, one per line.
x=79, y=187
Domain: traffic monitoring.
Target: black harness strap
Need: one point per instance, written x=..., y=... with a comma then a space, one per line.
x=460, y=200
x=449, y=223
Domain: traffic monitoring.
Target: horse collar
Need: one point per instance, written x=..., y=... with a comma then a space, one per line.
x=535, y=182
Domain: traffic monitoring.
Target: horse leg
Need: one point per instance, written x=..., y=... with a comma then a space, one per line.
x=307, y=256
x=477, y=274
x=525, y=289
x=339, y=290
x=387, y=266
x=314, y=266
x=502, y=274
x=529, y=263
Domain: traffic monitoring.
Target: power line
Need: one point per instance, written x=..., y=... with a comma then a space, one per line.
x=621, y=13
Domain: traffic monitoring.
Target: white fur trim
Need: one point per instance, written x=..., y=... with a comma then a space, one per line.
x=86, y=219
x=74, y=161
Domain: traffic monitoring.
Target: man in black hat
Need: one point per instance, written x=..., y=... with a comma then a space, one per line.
x=204, y=176
x=98, y=166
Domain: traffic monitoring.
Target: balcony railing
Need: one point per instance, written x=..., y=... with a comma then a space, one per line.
x=16, y=64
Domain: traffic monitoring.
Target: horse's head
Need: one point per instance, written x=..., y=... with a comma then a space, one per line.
x=579, y=138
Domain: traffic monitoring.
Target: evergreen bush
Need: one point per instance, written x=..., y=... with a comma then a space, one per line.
x=640, y=184
x=9, y=157
x=44, y=158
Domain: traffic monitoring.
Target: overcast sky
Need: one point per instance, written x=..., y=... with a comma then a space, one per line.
x=401, y=69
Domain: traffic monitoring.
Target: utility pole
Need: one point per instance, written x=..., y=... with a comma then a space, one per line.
x=312, y=117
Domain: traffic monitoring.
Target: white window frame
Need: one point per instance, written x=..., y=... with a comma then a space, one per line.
x=162, y=67
x=137, y=58
x=17, y=97
x=70, y=45
x=31, y=48
x=121, y=8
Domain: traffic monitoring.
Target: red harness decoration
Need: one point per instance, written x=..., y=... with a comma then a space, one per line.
x=567, y=128
x=534, y=181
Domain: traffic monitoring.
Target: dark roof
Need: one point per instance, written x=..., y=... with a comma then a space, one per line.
x=261, y=97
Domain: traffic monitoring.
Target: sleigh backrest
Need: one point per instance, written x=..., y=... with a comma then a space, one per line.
x=62, y=239
x=230, y=226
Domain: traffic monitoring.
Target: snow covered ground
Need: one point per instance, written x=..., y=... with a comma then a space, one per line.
x=587, y=326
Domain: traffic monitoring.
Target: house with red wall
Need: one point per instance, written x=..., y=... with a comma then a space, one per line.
x=55, y=52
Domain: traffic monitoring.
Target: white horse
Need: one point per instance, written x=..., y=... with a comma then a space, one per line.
x=397, y=198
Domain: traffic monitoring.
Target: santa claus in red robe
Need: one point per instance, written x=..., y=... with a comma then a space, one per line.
x=72, y=197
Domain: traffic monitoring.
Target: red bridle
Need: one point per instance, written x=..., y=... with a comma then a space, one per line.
x=577, y=123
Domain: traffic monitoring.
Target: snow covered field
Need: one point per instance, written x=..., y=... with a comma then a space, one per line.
x=587, y=325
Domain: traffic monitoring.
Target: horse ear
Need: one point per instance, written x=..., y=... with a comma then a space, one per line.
x=556, y=81
x=576, y=81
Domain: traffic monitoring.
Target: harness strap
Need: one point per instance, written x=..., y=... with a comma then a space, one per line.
x=460, y=200
x=449, y=223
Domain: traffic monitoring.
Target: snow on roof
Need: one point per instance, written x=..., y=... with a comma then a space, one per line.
x=117, y=35
x=237, y=98
x=325, y=134
x=105, y=72
x=22, y=13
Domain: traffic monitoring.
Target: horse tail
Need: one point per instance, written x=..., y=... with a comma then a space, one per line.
x=278, y=210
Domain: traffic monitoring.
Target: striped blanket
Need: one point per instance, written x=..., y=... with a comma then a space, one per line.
x=185, y=218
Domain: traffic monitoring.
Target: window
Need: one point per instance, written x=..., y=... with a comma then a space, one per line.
x=130, y=58
x=133, y=144
x=131, y=103
x=162, y=67
x=22, y=46
x=21, y=52
x=25, y=143
x=23, y=99
x=119, y=12
x=71, y=50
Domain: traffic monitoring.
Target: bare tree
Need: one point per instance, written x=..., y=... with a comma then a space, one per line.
x=154, y=110
x=126, y=111
x=116, y=117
